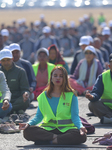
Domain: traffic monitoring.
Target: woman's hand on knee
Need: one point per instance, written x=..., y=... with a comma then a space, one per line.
x=83, y=130
x=23, y=126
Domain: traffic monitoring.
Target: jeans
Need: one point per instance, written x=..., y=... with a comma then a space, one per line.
x=4, y=113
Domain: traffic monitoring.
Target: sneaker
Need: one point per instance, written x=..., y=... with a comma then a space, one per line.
x=24, y=117
x=5, y=128
x=13, y=117
x=14, y=127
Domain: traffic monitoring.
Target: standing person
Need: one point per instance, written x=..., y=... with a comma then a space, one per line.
x=5, y=35
x=56, y=58
x=17, y=81
x=86, y=71
x=101, y=19
x=58, y=108
x=101, y=96
x=84, y=41
x=5, y=96
x=42, y=71
x=26, y=65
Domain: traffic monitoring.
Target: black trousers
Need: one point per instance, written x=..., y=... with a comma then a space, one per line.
x=70, y=137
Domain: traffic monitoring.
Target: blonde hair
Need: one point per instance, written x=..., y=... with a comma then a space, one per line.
x=65, y=86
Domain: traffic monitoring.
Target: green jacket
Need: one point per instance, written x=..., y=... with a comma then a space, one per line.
x=62, y=121
x=107, y=93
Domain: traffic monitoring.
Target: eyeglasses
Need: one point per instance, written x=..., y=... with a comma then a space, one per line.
x=86, y=53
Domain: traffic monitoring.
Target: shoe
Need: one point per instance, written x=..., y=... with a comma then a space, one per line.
x=105, y=120
x=24, y=117
x=90, y=114
x=14, y=127
x=5, y=128
x=13, y=117
x=109, y=148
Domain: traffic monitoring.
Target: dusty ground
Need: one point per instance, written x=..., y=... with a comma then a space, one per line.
x=7, y=16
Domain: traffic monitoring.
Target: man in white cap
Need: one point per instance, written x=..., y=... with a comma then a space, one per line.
x=81, y=27
x=42, y=21
x=84, y=41
x=25, y=64
x=17, y=82
x=5, y=35
x=45, y=40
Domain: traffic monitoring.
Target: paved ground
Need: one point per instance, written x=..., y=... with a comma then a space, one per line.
x=17, y=142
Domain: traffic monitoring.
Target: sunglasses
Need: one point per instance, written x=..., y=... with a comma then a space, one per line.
x=86, y=53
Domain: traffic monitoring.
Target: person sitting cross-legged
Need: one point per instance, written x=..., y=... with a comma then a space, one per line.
x=101, y=96
x=58, y=109
x=17, y=81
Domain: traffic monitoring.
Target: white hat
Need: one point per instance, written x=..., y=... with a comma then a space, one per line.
x=106, y=31
x=84, y=40
x=90, y=48
x=110, y=23
x=43, y=50
x=23, y=20
x=58, y=24
x=37, y=23
x=6, y=47
x=90, y=38
x=86, y=16
x=14, y=46
x=51, y=22
x=19, y=21
x=4, y=32
x=5, y=53
x=46, y=29
x=72, y=24
x=81, y=19
x=103, y=24
x=64, y=22
x=42, y=16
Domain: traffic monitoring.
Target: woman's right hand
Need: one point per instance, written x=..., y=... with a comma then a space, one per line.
x=23, y=126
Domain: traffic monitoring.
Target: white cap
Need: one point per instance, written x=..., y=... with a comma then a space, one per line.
x=6, y=47
x=58, y=24
x=19, y=21
x=64, y=22
x=106, y=31
x=37, y=23
x=86, y=16
x=84, y=40
x=72, y=24
x=46, y=29
x=42, y=16
x=51, y=22
x=90, y=48
x=23, y=20
x=5, y=53
x=103, y=24
x=81, y=19
x=110, y=23
x=43, y=50
x=4, y=32
x=14, y=46
x=90, y=38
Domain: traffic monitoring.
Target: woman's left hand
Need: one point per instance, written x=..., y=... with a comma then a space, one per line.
x=83, y=130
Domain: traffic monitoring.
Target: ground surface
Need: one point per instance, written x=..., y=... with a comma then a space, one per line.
x=17, y=142
x=7, y=16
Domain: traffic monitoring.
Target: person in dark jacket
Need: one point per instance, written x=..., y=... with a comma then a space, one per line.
x=101, y=96
x=17, y=81
x=25, y=64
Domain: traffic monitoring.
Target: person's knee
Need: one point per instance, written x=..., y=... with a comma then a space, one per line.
x=83, y=138
x=91, y=106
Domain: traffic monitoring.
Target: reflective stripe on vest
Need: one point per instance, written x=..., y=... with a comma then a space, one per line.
x=61, y=122
x=49, y=69
x=107, y=82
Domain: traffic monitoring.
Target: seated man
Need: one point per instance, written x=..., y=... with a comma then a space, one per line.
x=5, y=95
x=101, y=95
x=26, y=65
x=17, y=81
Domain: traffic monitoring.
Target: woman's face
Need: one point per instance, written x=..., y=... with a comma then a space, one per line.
x=57, y=77
x=42, y=57
x=89, y=56
x=52, y=54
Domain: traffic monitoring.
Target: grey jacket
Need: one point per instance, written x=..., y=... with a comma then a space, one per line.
x=6, y=94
